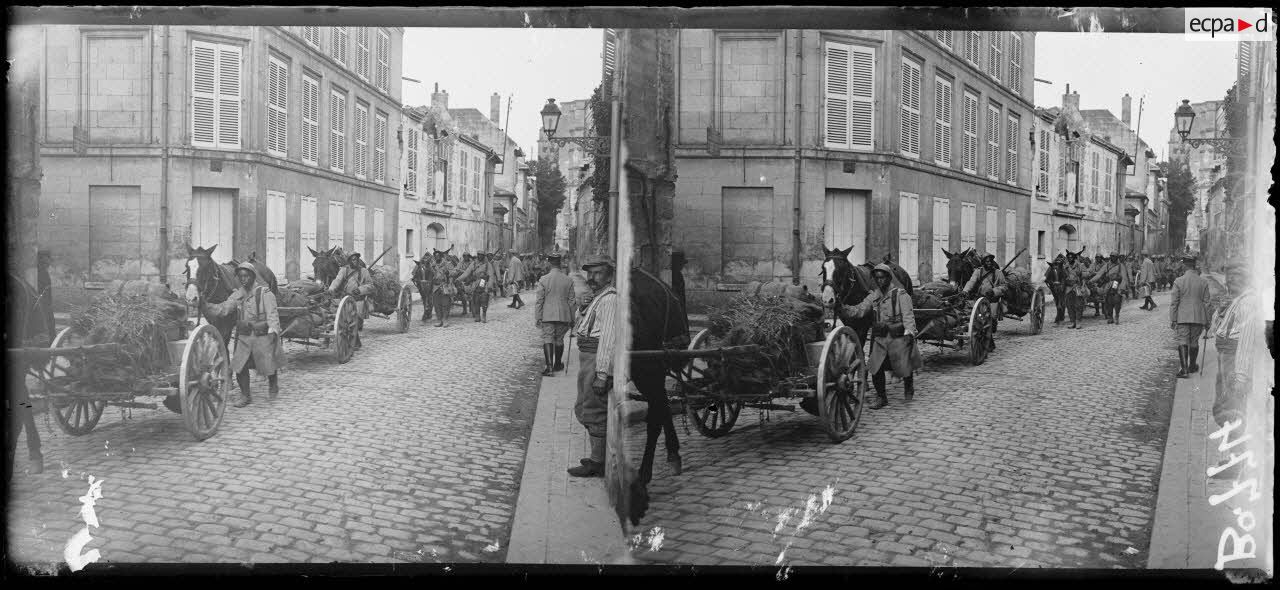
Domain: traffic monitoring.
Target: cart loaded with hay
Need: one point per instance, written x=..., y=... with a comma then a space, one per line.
x=131, y=347
x=767, y=344
x=946, y=318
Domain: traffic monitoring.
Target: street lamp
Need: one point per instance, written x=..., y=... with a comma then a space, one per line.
x=1185, y=115
x=551, y=121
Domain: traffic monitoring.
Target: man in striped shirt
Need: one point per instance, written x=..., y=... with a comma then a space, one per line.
x=597, y=341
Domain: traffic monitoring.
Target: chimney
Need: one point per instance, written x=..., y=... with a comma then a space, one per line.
x=1125, y=107
x=1071, y=99
x=495, y=111
x=439, y=98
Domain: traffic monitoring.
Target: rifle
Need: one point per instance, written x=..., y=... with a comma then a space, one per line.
x=1015, y=257
x=375, y=261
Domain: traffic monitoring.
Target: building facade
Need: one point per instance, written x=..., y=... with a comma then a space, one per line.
x=510, y=190
x=904, y=143
x=1206, y=164
x=259, y=140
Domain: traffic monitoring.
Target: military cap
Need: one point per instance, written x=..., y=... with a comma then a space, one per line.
x=554, y=256
x=882, y=268
x=599, y=260
x=1189, y=260
x=247, y=266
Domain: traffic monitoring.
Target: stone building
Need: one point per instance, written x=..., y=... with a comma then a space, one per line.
x=1207, y=165
x=256, y=139
x=509, y=190
x=896, y=143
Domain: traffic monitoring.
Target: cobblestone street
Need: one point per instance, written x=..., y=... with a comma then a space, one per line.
x=411, y=452
x=1047, y=455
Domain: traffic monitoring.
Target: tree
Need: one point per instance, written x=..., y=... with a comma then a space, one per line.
x=1181, y=186
x=551, y=195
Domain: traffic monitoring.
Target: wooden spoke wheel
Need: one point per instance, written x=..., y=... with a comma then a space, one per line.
x=204, y=381
x=712, y=417
x=842, y=384
x=75, y=417
x=404, y=309
x=979, y=330
x=344, y=330
x=1037, y=311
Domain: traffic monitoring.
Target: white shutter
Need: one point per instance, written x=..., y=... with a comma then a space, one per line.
x=276, y=232
x=942, y=99
x=970, y=148
x=993, y=142
x=968, y=225
x=204, y=88
x=1010, y=235
x=909, y=234
x=411, y=157
x=337, y=131
x=475, y=180
x=379, y=219
x=310, y=120
x=1042, y=182
x=941, y=235
x=307, y=235
x=862, y=89
x=1110, y=182
x=836, y=105
x=337, y=233
x=339, y=41
x=1015, y=63
x=312, y=35
x=384, y=58
x=992, y=230
x=380, y=148
x=229, y=96
x=910, y=121
x=1013, y=128
x=361, y=160
x=362, y=52
x=357, y=231
x=462, y=175
x=277, y=107
x=943, y=37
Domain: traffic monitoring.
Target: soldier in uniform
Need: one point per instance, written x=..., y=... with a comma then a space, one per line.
x=515, y=278
x=553, y=313
x=354, y=280
x=989, y=282
x=442, y=288
x=1054, y=277
x=480, y=279
x=597, y=341
x=1147, y=282
x=258, y=344
x=893, y=334
x=1107, y=272
x=1189, y=314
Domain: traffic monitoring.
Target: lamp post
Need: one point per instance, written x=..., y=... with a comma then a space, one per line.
x=1185, y=115
x=593, y=145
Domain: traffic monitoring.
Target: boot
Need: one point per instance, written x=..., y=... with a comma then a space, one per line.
x=673, y=461
x=1192, y=367
x=484, y=315
x=593, y=467
x=881, y=399
x=519, y=301
x=273, y=387
x=244, y=399
x=1182, y=361
x=559, y=351
x=36, y=463
x=548, y=353
x=909, y=386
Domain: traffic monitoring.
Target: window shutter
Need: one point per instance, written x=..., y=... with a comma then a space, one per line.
x=910, y=136
x=1011, y=148
x=941, y=235
x=384, y=57
x=203, y=94
x=310, y=120
x=338, y=132
x=311, y=35
x=909, y=233
x=942, y=100
x=379, y=219
x=277, y=106
x=862, y=77
x=380, y=148
x=970, y=148
x=993, y=142
x=360, y=163
x=836, y=111
x=992, y=230
x=968, y=225
x=411, y=182
x=228, y=96
x=1015, y=63
x=609, y=54
x=1010, y=235
x=362, y=52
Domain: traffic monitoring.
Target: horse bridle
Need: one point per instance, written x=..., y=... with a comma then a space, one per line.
x=211, y=282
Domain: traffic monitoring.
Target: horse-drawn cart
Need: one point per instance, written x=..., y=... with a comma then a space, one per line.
x=1023, y=300
x=946, y=319
x=321, y=323
x=196, y=383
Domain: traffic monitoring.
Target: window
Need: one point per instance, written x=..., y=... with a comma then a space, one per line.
x=380, y=147
x=968, y=225
x=360, y=161
x=1042, y=151
x=943, y=37
x=215, y=95
x=973, y=48
x=411, y=161
x=992, y=230
x=1093, y=178
x=362, y=53
x=462, y=176
x=1012, y=128
x=993, y=141
x=312, y=36
x=379, y=218
x=1010, y=234
x=941, y=235
x=357, y=230
x=995, y=54
x=848, y=113
x=310, y=120
x=384, y=59
x=909, y=234
x=969, y=151
x=307, y=235
x=1040, y=244
x=1015, y=63
x=1109, y=180
x=277, y=107
x=339, y=42
x=909, y=138
x=408, y=244
x=475, y=179
x=337, y=233
x=942, y=99
x=338, y=131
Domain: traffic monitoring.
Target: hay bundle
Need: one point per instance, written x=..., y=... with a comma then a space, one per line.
x=1019, y=290
x=779, y=325
x=387, y=285
x=142, y=325
x=305, y=286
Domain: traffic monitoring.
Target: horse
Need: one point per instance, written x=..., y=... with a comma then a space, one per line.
x=210, y=282
x=26, y=325
x=422, y=275
x=843, y=283
x=961, y=265
x=325, y=265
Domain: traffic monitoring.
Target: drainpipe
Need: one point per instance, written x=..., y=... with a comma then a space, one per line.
x=615, y=146
x=795, y=200
x=163, y=265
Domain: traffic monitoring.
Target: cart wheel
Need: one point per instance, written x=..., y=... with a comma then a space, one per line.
x=842, y=384
x=712, y=417
x=1037, y=311
x=404, y=308
x=979, y=331
x=344, y=330
x=204, y=381
x=75, y=417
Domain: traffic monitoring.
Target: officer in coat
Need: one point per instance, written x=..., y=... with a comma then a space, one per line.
x=258, y=344
x=893, y=342
x=1189, y=314
x=1147, y=282
x=354, y=280
x=515, y=279
x=553, y=313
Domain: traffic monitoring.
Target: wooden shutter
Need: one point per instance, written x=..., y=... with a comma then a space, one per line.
x=339, y=42
x=975, y=48
x=849, y=111
x=1110, y=181
x=411, y=157
x=337, y=233
x=360, y=161
x=337, y=131
x=277, y=106
x=204, y=90
x=276, y=232
x=942, y=99
x=306, y=234
x=1012, y=129
x=312, y=35
x=909, y=234
x=384, y=57
x=993, y=142
x=310, y=120
x=1042, y=182
x=910, y=122
x=992, y=230
x=968, y=225
x=609, y=53
x=229, y=96
x=941, y=235
x=362, y=52
x=379, y=219
x=836, y=109
x=970, y=148
x=357, y=231
x=1015, y=63
x=1010, y=235
x=475, y=179
x=380, y=148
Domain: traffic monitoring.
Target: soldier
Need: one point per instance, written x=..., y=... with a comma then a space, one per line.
x=480, y=279
x=258, y=343
x=893, y=333
x=597, y=341
x=1147, y=282
x=989, y=282
x=553, y=313
x=442, y=287
x=515, y=278
x=355, y=280
x=1054, y=277
x=1109, y=272
x=1188, y=314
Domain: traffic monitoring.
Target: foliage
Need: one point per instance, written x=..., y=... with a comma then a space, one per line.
x=141, y=325
x=1181, y=190
x=551, y=196
x=601, y=121
x=1236, y=113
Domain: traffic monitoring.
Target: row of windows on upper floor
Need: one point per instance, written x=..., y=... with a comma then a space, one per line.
x=364, y=51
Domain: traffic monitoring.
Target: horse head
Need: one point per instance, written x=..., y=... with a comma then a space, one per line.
x=204, y=280
x=325, y=265
x=837, y=275
x=960, y=265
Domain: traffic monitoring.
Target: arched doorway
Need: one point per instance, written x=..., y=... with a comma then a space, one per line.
x=1067, y=238
x=434, y=238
